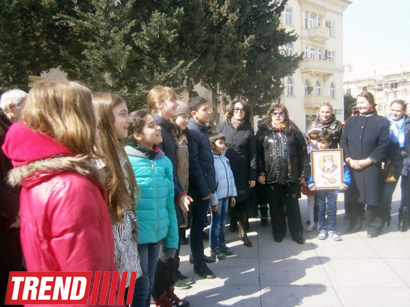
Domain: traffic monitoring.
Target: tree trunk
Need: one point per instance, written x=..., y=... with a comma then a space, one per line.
x=215, y=101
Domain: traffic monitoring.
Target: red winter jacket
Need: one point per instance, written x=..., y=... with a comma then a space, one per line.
x=65, y=225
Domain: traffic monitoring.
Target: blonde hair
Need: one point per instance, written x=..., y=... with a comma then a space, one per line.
x=62, y=110
x=326, y=104
x=119, y=198
x=159, y=93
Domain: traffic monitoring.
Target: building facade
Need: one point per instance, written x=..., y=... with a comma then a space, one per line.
x=319, y=78
x=385, y=83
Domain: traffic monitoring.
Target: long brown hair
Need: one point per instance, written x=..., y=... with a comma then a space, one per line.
x=62, y=110
x=110, y=148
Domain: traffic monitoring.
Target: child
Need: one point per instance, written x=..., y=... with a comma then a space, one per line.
x=311, y=143
x=201, y=180
x=156, y=208
x=65, y=225
x=224, y=195
x=327, y=199
x=120, y=180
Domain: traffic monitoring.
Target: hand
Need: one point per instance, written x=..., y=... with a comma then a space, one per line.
x=342, y=188
x=312, y=189
x=262, y=179
x=215, y=208
x=363, y=163
x=208, y=197
x=233, y=201
x=184, y=202
x=251, y=183
x=301, y=180
x=17, y=222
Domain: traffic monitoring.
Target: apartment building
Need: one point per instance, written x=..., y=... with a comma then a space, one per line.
x=386, y=83
x=319, y=78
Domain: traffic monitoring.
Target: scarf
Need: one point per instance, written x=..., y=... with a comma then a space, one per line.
x=278, y=127
x=396, y=132
x=237, y=123
x=331, y=119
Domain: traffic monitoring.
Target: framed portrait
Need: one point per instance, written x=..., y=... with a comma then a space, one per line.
x=327, y=168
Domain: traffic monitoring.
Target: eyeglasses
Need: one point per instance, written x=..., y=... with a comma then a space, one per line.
x=277, y=113
x=236, y=109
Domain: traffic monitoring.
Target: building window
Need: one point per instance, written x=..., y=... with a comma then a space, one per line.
x=306, y=52
x=308, y=88
x=348, y=91
x=306, y=20
x=331, y=56
x=288, y=16
x=290, y=87
x=289, y=49
x=312, y=21
x=319, y=21
x=379, y=87
x=393, y=85
x=318, y=89
x=331, y=26
x=312, y=53
x=332, y=90
x=319, y=54
x=364, y=89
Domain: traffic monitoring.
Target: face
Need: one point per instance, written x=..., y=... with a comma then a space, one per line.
x=278, y=116
x=312, y=140
x=168, y=108
x=396, y=111
x=239, y=111
x=364, y=105
x=203, y=114
x=323, y=145
x=328, y=164
x=325, y=113
x=121, y=120
x=218, y=147
x=182, y=121
x=151, y=132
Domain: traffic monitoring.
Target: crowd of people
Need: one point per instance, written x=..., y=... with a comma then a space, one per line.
x=88, y=186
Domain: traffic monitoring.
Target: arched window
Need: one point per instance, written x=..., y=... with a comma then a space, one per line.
x=308, y=88
x=318, y=89
x=332, y=90
x=289, y=86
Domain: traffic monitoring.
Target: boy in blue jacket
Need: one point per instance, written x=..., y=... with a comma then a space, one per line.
x=224, y=195
x=201, y=180
x=327, y=199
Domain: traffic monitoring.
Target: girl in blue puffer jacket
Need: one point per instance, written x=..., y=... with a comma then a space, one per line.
x=155, y=207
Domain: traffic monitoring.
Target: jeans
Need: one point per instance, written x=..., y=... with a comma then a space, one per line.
x=326, y=200
x=148, y=254
x=199, y=209
x=218, y=221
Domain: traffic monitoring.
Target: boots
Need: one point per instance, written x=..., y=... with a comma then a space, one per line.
x=263, y=209
x=386, y=218
x=233, y=227
x=242, y=229
x=403, y=227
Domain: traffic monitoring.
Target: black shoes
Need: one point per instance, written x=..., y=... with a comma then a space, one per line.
x=353, y=229
x=207, y=259
x=299, y=241
x=204, y=272
x=278, y=239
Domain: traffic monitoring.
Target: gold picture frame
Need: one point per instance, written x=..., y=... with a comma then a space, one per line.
x=327, y=168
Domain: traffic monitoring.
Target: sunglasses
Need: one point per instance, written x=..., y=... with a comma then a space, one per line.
x=277, y=113
x=236, y=109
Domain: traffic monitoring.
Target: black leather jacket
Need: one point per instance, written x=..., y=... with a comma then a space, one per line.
x=282, y=157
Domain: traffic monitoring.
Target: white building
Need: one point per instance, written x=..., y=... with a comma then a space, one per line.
x=385, y=83
x=319, y=78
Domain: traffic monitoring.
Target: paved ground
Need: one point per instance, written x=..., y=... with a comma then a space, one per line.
x=357, y=271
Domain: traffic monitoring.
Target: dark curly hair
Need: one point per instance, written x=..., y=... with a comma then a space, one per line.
x=246, y=106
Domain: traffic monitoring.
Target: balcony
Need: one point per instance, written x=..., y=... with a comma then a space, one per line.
x=313, y=101
x=318, y=68
x=319, y=34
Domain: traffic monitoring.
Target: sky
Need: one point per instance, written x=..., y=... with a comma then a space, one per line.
x=376, y=33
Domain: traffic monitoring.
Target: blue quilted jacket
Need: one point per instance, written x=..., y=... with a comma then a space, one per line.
x=155, y=208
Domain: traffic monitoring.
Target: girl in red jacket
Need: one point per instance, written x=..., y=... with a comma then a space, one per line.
x=65, y=225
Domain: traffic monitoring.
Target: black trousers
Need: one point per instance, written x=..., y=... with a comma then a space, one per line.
x=373, y=217
x=278, y=195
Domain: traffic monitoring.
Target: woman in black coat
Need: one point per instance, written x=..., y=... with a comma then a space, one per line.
x=283, y=165
x=365, y=141
x=241, y=152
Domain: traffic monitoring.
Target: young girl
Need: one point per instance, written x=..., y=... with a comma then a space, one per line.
x=311, y=143
x=65, y=225
x=119, y=180
x=156, y=208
